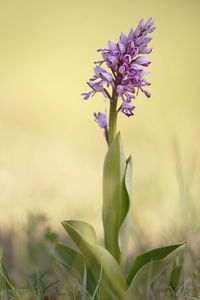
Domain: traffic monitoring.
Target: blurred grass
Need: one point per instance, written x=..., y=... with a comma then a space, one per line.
x=31, y=271
x=51, y=151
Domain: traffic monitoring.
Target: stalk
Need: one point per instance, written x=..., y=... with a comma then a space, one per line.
x=113, y=116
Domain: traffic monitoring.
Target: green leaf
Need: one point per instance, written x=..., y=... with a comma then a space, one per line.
x=124, y=233
x=175, y=277
x=84, y=284
x=71, y=259
x=5, y=281
x=75, y=264
x=85, y=230
x=99, y=260
x=195, y=285
x=150, y=264
x=128, y=177
x=115, y=197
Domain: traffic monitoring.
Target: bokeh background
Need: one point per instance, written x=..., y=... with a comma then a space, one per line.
x=52, y=151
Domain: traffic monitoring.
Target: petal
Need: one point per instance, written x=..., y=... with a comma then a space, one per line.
x=144, y=73
x=123, y=39
x=86, y=96
x=131, y=33
x=98, y=70
x=144, y=61
x=112, y=46
x=136, y=67
x=148, y=30
x=113, y=60
x=127, y=108
x=146, y=40
x=127, y=59
x=149, y=23
x=147, y=94
x=101, y=119
x=122, y=48
x=141, y=23
x=145, y=50
x=120, y=89
x=107, y=76
x=122, y=69
x=137, y=32
x=139, y=40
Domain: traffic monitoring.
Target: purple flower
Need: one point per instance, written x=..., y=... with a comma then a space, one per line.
x=127, y=108
x=143, y=61
x=101, y=119
x=127, y=68
x=98, y=82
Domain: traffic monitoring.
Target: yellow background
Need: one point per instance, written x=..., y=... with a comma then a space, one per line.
x=51, y=150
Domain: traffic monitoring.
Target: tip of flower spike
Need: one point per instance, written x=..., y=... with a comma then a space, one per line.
x=141, y=23
x=150, y=22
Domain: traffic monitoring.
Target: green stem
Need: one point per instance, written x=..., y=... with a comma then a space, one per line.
x=113, y=116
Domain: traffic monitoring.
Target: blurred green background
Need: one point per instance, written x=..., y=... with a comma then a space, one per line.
x=52, y=151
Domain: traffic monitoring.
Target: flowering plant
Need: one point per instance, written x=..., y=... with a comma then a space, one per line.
x=104, y=265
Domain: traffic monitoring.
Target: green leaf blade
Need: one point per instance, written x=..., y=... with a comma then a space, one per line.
x=115, y=198
x=97, y=258
x=175, y=277
x=74, y=262
x=70, y=259
x=155, y=261
x=124, y=232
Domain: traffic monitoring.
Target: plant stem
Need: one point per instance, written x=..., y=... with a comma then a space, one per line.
x=113, y=116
